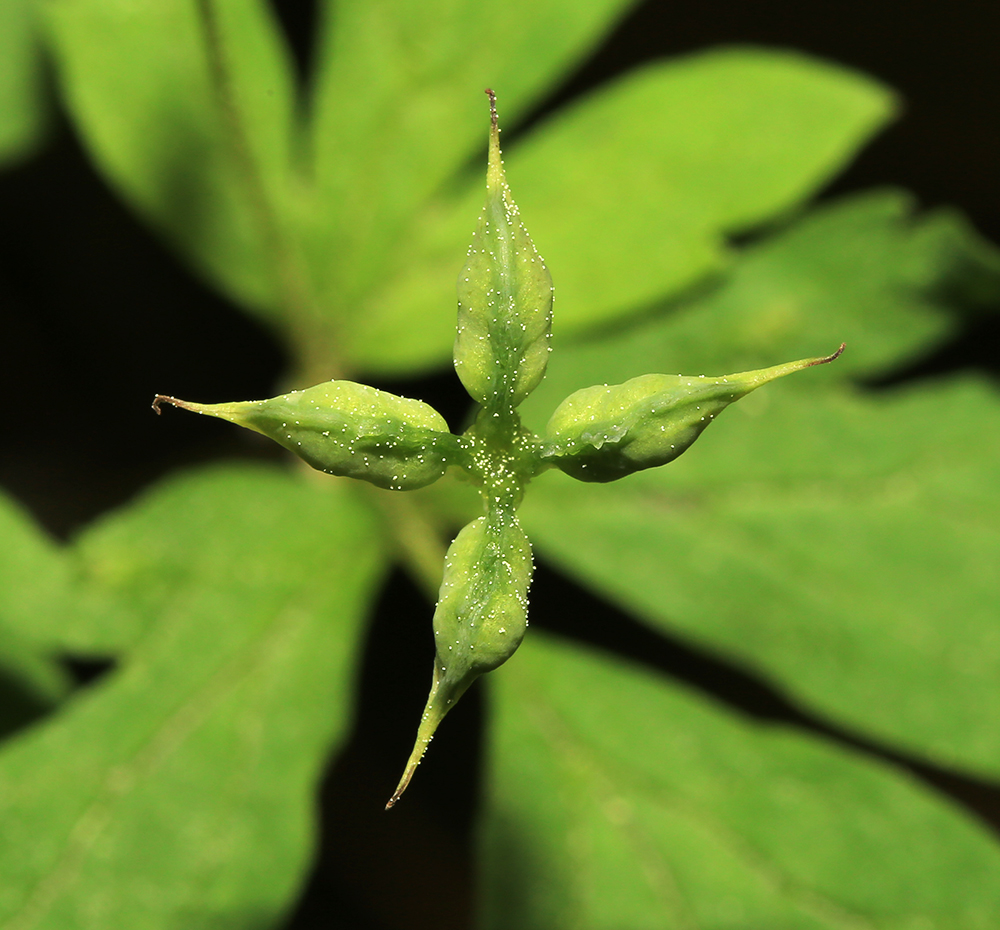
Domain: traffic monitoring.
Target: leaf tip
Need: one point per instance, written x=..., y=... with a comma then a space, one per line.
x=166, y=399
x=411, y=766
x=494, y=175
x=162, y=399
x=401, y=787
x=494, y=121
x=829, y=358
x=444, y=693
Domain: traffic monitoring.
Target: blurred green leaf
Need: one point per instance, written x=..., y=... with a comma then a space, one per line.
x=24, y=106
x=34, y=573
x=33, y=581
x=398, y=111
x=137, y=80
x=32, y=681
x=865, y=270
x=630, y=191
x=357, y=247
x=842, y=545
x=291, y=226
x=616, y=799
x=178, y=792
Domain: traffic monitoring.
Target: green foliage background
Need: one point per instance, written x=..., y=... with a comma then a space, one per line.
x=838, y=542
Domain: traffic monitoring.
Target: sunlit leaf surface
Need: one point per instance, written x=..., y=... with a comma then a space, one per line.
x=177, y=791
x=630, y=191
x=842, y=544
x=24, y=105
x=139, y=83
x=832, y=542
x=616, y=799
x=33, y=580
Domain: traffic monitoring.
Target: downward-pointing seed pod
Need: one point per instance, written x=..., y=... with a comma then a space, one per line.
x=480, y=619
x=504, y=299
x=348, y=429
x=608, y=431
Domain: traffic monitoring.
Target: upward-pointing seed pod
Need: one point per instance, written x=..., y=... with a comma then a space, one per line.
x=480, y=619
x=504, y=299
x=348, y=429
x=608, y=431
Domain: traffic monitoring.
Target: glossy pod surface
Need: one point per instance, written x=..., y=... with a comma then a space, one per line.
x=504, y=300
x=350, y=429
x=480, y=619
x=482, y=611
x=605, y=432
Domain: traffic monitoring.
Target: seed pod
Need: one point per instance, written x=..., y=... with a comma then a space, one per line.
x=481, y=616
x=504, y=299
x=608, y=431
x=348, y=429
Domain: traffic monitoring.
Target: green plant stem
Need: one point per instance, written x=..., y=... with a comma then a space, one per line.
x=418, y=542
x=316, y=357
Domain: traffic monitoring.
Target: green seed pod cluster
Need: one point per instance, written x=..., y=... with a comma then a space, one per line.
x=605, y=432
x=504, y=299
x=348, y=429
x=501, y=351
x=480, y=619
